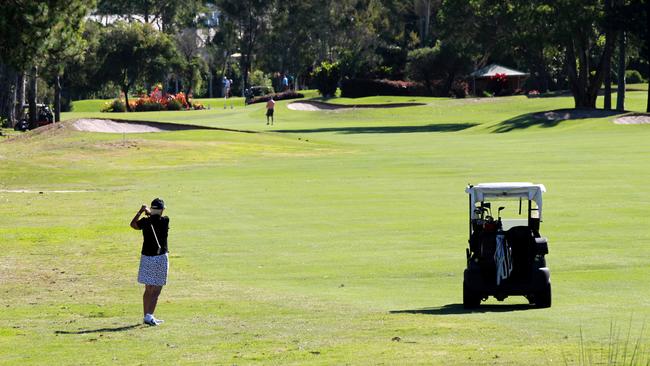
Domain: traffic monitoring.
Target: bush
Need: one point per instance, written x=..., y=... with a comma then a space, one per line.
x=156, y=101
x=147, y=104
x=258, y=90
x=633, y=77
x=357, y=88
x=459, y=89
x=259, y=78
x=498, y=84
x=423, y=65
x=174, y=105
x=117, y=105
x=289, y=94
x=326, y=77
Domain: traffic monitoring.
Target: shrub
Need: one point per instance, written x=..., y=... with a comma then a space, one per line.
x=498, y=84
x=424, y=65
x=260, y=79
x=533, y=93
x=633, y=77
x=174, y=105
x=459, y=89
x=289, y=94
x=156, y=101
x=117, y=105
x=257, y=90
x=356, y=88
x=326, y=77
x=146, y=104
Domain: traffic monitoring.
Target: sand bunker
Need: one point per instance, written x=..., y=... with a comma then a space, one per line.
x=312, y=105
x=113, y=126
x=633, y=119
x=565, y=114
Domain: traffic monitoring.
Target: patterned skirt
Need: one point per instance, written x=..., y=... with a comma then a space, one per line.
x=153, y=270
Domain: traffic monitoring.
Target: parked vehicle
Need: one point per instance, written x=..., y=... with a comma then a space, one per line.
x=506, y=257
x=44, y=116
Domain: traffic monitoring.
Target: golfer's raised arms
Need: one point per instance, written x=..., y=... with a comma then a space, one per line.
x=134, y=221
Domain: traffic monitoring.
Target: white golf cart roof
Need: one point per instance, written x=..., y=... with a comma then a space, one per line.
x=528, y=191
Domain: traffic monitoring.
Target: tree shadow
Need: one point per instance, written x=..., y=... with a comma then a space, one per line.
x=550, y=119
x=456, y=309
x=524, y=121
x=101, y=330
x=441, y=127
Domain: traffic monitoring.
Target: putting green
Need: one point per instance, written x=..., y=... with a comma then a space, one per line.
x=328, y=238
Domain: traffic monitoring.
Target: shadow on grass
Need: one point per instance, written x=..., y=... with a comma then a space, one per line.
x=101, y=330
x=455, y=309
x=550, y=118
x=524, y=121
x=443, y=127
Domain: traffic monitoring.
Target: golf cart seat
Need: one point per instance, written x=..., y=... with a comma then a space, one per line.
x=522, y=243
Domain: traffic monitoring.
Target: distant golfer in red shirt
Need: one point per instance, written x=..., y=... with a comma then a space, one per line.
x=270, y=106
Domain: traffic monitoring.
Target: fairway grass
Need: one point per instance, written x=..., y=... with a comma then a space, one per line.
x=329, y=238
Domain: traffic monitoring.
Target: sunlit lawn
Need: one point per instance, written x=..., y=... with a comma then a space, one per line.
x=329, y=238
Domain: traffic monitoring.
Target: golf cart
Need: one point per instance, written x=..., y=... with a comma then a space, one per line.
x=44, y=117
x=506, y=256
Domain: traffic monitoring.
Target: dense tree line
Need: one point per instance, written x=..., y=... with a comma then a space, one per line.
x=85, y=48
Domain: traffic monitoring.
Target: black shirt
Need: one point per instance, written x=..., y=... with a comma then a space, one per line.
x=161, y=226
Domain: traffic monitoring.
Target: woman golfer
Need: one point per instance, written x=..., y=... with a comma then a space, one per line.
x=154, y=261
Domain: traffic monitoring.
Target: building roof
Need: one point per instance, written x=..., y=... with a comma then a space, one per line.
x=493, y=69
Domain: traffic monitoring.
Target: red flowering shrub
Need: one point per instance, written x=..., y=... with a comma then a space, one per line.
x=157, y=100
x=498, y=84
x=459, y=89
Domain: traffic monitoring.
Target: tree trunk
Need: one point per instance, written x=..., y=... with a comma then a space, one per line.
x=31, y=96
x=57, y=99
x=427, y=20
x=7, y=94
x=20, y=95
x=210, y=85
x=125, y=90
x=609, y=37
x=146, y=11
x=647, y=49
x=585, y=86
x=620, y=97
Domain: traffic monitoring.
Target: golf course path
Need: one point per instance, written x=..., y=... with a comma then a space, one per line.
x=312, y=105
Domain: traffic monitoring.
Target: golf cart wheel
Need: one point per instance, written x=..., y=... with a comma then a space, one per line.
x=543, y=298
x=470, y=299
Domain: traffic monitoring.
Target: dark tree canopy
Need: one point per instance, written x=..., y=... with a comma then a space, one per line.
x=576, y=45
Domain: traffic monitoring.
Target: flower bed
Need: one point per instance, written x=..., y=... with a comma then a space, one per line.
x=156, y=101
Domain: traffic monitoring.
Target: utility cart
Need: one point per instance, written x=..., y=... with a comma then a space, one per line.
x=506, y=256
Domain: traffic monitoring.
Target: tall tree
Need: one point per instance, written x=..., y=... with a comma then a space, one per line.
x=25, y=26
x=192, y=64
x=64, y=45
x=251, y=18
x=578, y=29
x=134, y=53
